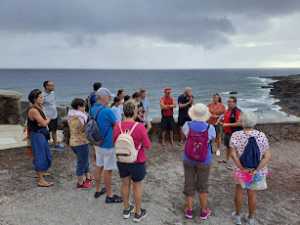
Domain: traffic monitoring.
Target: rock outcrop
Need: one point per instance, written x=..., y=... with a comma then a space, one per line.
x=287, y=90
x=10, y=107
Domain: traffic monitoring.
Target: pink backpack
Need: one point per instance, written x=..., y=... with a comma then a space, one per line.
x=196, y=146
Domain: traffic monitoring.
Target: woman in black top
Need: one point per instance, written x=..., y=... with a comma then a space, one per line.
x=39, y=136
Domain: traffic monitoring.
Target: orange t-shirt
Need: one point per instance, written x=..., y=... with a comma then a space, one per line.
x=215, y=109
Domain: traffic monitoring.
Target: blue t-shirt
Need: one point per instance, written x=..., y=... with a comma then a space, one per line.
x=106, y=121
x=200, y=127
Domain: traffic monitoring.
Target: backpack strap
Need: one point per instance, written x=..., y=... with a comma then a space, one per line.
x=97, y=113
x=133, y=127
x=120, y=127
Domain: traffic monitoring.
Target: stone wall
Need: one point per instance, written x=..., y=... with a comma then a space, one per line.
x=274, y=131
x=10, y=107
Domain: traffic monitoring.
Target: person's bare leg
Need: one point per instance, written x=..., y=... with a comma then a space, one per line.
x=125, y=190
x=203, y=200
x=138, y=192
x=98, y=174
x=189, y=202
x=163, y=138
x=172, y=137
x=54, y=137
x=227, y=154
x=251, y=202
x=182, y=137
x=107, y=182
x=238, y=199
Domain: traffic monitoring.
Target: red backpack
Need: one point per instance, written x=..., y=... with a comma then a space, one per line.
x=196, y=146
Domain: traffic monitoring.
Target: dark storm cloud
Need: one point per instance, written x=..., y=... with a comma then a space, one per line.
x=207, y=23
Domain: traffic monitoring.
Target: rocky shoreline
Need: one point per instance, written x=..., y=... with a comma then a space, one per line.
x=287, y=90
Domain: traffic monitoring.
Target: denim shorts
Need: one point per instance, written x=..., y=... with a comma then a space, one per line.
x=82, y=155
x=106, y=158
x=137, y=171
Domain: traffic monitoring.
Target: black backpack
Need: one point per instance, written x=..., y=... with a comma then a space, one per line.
x=250, y=158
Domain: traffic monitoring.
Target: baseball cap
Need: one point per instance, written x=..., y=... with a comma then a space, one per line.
x=104, y=92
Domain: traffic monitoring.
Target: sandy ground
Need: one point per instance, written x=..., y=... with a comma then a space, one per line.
x=22, y=203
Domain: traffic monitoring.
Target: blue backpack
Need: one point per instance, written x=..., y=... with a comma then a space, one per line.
x=250, y=158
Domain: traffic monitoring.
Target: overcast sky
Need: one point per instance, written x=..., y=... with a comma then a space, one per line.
x=149, y=33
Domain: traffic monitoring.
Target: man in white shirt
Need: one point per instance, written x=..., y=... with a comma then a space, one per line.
x=50, y=110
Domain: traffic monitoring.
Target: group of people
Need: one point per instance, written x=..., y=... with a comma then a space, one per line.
x=126, y=119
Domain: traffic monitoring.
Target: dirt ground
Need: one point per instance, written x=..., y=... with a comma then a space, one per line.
x=22, y=203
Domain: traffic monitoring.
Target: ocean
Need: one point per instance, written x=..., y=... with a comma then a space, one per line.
x=72, y=83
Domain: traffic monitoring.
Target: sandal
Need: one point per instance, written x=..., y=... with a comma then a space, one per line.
x=46, y=185
x=113, y=199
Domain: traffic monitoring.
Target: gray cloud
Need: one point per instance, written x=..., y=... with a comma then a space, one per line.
x=206, y=23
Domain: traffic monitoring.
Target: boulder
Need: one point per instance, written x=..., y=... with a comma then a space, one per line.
x=10, y=107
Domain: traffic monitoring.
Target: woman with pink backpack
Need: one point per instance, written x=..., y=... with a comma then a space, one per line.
x=131, y=140
x=197, y=159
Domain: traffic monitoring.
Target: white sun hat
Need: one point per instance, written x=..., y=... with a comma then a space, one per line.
x=199, y=112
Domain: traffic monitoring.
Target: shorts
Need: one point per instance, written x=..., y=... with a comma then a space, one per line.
x=218, y=129
x=53, y=125
x=227, y=140
x=167, y=123
x=106, y=158
x=137, y=171
x=182, y=120
x=195, y=178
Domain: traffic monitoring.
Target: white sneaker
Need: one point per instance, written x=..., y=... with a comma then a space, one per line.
x=250, y=221
x=237, y=219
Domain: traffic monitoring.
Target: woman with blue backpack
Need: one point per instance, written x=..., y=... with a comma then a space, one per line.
x=250, y=153
x=197, y=159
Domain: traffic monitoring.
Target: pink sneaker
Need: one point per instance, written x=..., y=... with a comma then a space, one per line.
x=85, y=185
x=189, y=214
x=205, y=214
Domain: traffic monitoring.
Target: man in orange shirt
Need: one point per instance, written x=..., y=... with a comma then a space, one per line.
x=167, y=105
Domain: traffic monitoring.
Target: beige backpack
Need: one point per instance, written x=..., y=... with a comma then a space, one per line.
x=125, y=148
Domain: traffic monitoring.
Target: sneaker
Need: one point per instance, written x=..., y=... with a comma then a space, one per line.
x=250, y=221
x=237, y=219
x=113, y=199
x=128, y=212
x=85, y=185
x=205, y=214
x=189, y=214
x=138, y=217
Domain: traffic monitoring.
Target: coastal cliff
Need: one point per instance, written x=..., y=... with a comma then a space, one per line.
x=287, y=90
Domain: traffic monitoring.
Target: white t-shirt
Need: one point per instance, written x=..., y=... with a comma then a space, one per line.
x=50, y=109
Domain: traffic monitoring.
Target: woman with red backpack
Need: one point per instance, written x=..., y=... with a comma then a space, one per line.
x=197, y=158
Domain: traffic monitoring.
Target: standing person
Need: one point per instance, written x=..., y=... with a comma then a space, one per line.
x=105, y=153
x=133, y=173
x=197, y=159
x=117, y=108
x=243, y=146
x=146, y=104
x=50, y=110
x=230, y=123
x=121, y=94
x=92, y=97
x=77, y=118
x=167, y=105
x=185, y=101
x=39, y=135
x=216, y=109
